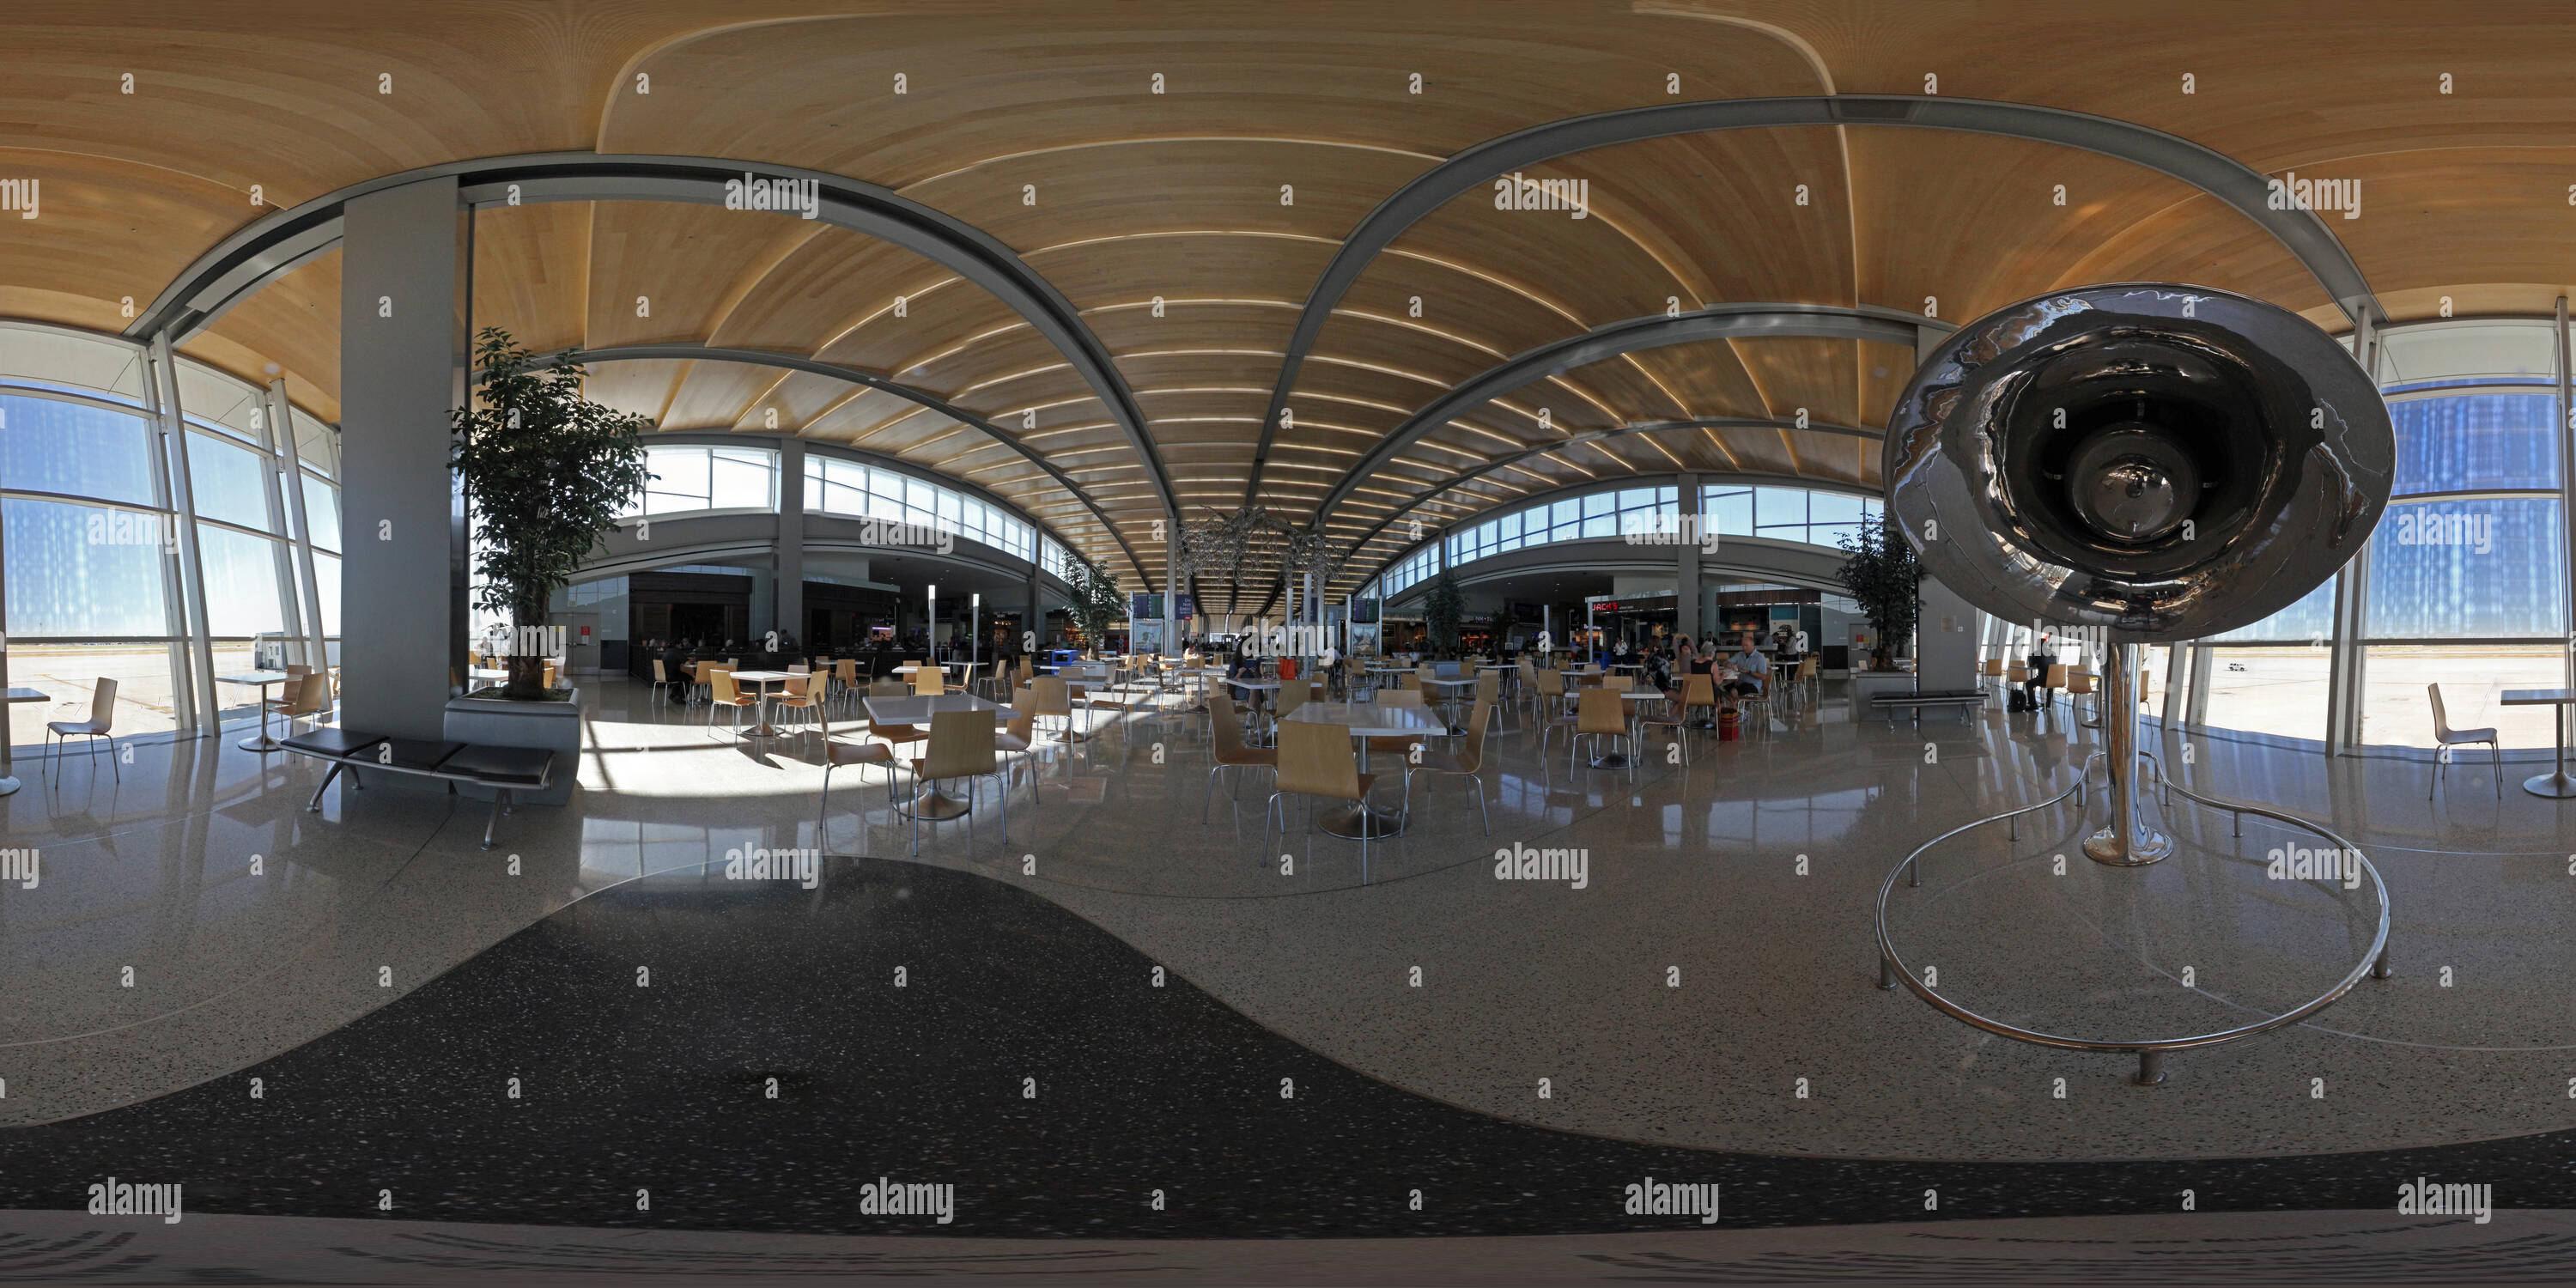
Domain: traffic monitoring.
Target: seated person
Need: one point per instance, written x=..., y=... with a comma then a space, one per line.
x=2035, y=689
x=1752, y=671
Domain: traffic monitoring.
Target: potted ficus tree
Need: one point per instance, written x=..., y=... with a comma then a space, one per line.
x=546, y=472
x=1884, y=577
x=1095, y=602
x=1444, y=613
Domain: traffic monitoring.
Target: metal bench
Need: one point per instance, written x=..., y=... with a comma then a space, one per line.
x=1961, y=699
x=503, y=769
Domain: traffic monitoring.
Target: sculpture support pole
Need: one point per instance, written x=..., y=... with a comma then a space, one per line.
x=2128, y=842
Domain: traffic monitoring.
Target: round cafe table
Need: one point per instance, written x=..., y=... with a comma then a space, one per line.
x=8, y=781
x=262, y=681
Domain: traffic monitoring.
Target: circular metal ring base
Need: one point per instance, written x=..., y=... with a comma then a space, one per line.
x=2145, y=847
x=2551, y=784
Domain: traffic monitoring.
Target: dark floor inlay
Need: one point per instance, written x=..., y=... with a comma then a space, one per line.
x=666, y=1088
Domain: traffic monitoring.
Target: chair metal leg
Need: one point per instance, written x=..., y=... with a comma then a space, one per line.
x=1479, y=781
x=2495, y=758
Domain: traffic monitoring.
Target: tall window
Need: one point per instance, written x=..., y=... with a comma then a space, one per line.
x=1813, y=516
x=688, y=479
x=855, y=490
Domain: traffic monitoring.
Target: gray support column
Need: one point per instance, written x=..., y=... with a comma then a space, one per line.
x=791, y=540
x=2566, y=502
x=1033, y=623
x=2345, y=661
x=1172, y=591
x=1686, y=575
x=281, y=418
x=292, y=605
x=2177, y=682
x=401, y=271
x=164, y=385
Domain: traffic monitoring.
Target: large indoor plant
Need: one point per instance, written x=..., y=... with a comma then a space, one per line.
x=1095, y=602
x=1882, y=574
x=546, y=472
x=1444, y=612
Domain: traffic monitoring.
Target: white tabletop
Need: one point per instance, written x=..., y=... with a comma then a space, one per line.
x=26, y=695
x=1369, y=719
x=763, y=677
x=1254, y=684
x=917, y=710
x=255, y=678
x=1454, y=682
x=2537, y=697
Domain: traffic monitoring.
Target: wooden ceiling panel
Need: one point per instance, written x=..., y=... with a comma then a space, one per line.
x=532, y=271
x=295, y=323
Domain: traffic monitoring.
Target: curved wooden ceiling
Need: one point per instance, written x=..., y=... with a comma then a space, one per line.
x=1188, y=226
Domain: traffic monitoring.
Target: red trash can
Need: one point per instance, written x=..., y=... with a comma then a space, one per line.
x=1287, y=669
x=1728, y=730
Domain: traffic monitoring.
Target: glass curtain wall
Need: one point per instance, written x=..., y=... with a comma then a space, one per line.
x=93, y=574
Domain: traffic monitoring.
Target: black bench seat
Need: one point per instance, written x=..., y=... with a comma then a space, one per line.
x=1961, y=699
x=503, y=769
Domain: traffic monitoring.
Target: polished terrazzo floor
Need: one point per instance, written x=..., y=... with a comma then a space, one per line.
x=1676, y=999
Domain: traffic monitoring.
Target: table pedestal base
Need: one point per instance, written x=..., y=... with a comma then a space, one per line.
x=9, y=785
x=1615, y=760
x=262, y=743
x=1357, y=821
x=935, y=806
x=2551, y=784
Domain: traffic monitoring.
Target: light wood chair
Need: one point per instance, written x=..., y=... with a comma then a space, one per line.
x=1019, y=735
x=661, y=684
x=2079, y=684
x=312, y=698
x=1601, y=711
x=897, y=735
x=101, y=724
x=797, y=694
x=1676, y=719
x=1051, y=695
x=723, y=694
x=1699, y=692
x=2445, y=737
x=1225, y=731
x=1553, y=714
x=929, y=680
x=961, y=746
x=1468, y=760
x=1317, y=761
x=845, y=674
x=1619, y=683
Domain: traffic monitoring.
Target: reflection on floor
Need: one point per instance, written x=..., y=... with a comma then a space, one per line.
x=1715, y=962
x=692, y=1052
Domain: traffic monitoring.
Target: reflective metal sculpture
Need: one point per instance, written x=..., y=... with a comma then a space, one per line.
x=2165, y=462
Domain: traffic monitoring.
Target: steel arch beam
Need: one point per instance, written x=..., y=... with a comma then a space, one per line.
x=277, y=244
x=2224, y=177
x=1723, y=322
x=873, y=380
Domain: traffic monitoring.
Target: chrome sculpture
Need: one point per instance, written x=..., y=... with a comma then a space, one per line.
x=2165, y=462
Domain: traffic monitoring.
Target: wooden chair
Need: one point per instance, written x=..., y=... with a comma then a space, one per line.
x=897, y=735
x=1619, y=683
x=2445, y=737
x=1050, y=695
x=550, y=673
x=1699, y=692
x=1551, y=706
x=1676, y=719
x=798, y=695
x=845, y=673
x=1292, y=695
x=1467, y=760
x=661, y=684
x=929, y=680
x=312, y=698
x=1316, y=760
x=961, y=746
x=1994, y=669
x=101, y=724
x=1601, y=711
x=1020, y=735
x=835, y=755
x=1230, y=752
x=724, y=694
x=2079, y=683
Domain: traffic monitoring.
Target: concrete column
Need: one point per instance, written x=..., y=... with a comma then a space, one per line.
x=402, y=320
x=1172, y=590
x=1033, y=623
x=1945, y=654
x=1686, y=577
x=281, y=416
x=791, y=540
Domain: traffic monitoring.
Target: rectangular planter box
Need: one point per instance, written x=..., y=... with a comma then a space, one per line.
x=492, y=722
x=1868, y=684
